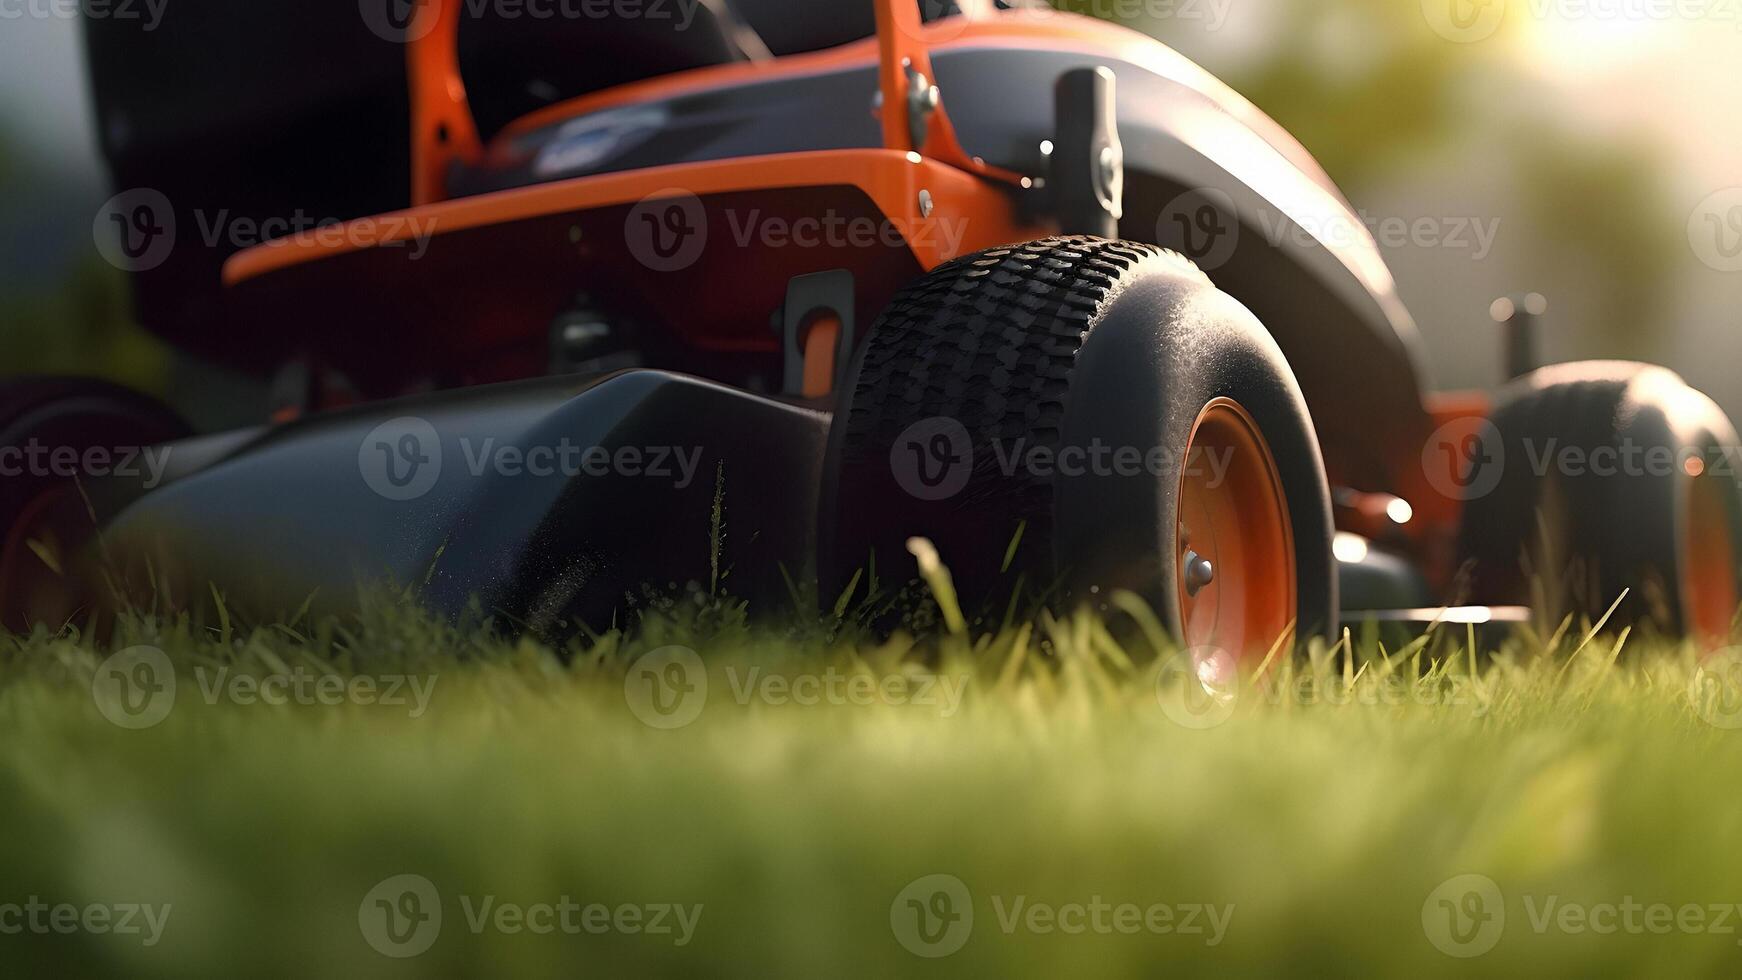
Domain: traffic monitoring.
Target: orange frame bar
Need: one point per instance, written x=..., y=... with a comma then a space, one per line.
x=443, y=131
x=967, y=212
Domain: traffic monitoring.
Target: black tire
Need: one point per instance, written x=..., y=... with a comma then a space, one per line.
x=1555, y=524
x=77, y=414
x=1058, y=343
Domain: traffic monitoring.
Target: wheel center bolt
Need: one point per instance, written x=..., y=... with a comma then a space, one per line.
x=1198, y=572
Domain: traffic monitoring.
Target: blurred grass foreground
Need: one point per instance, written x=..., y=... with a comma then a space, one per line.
x=397, y=797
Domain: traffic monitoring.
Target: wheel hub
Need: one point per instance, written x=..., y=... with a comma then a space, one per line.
x=1234, y=542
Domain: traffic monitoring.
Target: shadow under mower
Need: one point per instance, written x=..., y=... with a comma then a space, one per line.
x=640, y=304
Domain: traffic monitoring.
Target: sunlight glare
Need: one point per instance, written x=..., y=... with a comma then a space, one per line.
x=1571, y=37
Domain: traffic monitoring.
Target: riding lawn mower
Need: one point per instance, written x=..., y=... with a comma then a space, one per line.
x=560, y=309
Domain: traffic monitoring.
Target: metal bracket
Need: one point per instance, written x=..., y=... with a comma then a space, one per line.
x=910, y=108
x=806, y=297
x=922, y=101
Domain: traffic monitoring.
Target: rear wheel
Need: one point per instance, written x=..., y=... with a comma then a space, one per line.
x=1602, y=478
x=1076, y=416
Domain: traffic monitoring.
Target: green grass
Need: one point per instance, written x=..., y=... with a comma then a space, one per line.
x=1568, y=767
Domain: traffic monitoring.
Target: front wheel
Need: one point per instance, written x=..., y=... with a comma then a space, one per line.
x=1082, y=416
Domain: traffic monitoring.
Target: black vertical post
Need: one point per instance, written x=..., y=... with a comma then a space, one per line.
x=1087, y=171
x=1519, y=318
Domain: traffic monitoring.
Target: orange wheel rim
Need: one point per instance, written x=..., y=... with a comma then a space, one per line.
x=1709, y=575
x=1233, y=539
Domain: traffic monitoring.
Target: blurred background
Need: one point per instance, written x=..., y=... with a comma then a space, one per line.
x=1599, y=142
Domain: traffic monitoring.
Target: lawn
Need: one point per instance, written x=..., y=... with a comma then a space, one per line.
x=394, y=797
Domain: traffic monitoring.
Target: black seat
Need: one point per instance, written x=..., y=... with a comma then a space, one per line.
x=515, y=65
x=512, y=66
x=796, y=26
x=297, y=109
x=290, y=109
